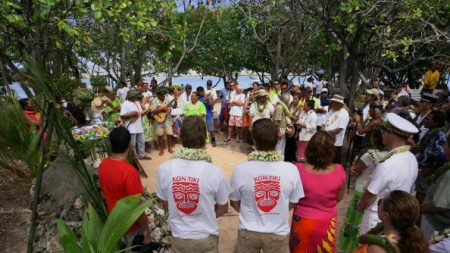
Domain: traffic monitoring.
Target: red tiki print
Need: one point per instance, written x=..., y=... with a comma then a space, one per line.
x=267, y=192
x=186, y=193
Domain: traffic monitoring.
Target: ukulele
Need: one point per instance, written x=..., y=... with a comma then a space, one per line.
x=160, y=117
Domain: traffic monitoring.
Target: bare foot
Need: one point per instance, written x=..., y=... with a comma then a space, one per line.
x=161, y=152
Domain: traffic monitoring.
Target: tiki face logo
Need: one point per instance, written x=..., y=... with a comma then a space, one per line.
x=186, y=193
x=267, y=192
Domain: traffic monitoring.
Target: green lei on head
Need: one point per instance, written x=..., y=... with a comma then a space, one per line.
x=266, y=156
x=192, y=154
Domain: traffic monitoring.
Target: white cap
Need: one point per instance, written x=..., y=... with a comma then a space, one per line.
x=400, y=126
x=324, y=90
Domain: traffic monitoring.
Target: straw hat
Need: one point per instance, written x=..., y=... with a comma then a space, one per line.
x=338, y=99
x=99, y=104
x=261, y=93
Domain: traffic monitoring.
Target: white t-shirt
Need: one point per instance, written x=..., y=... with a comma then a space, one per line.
x=147, y=93
x=265, y=113
x=365, y=115
x=319, y=87
x=362, y=181
x=399, y=172
x=122, y=93
x=321, y=116
x=192, y=188
x=265, y=190
x=310, y=119
x=127, y=107
x=212, y=92
x=337, y=119
x=238, y=110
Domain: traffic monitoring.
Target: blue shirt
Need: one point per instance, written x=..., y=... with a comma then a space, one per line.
x=209, y=109
x=223, y=94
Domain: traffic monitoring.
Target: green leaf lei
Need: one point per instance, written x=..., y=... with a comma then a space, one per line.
x=374, y=237
x=193, y=154
x=266, y=156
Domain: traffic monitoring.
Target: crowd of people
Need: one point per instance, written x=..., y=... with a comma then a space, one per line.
x=399, y=152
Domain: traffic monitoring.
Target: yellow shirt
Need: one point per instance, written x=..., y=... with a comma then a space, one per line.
x=431, y=79
x=301, y=102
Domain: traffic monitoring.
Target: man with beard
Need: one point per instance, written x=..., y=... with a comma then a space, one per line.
x=264, y=189
x=194, y=190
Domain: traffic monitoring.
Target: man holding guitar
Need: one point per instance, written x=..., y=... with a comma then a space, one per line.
x=160, y=109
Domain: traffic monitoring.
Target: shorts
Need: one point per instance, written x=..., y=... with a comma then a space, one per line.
x=210, y=125
x=163, y=130
x=235, y=121
x=215, y=115
x=249, y=241
x=209, y=244
x=222, y=114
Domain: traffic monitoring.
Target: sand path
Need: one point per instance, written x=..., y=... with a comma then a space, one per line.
x=225, y=156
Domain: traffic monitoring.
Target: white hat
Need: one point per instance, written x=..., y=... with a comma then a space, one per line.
x=399, y=126
x=337, y=99
x=374, y=92
x=324, y=90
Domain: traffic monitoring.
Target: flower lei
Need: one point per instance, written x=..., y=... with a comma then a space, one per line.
x=396, y=151
x=266, y=156
x=439, y=236
x=259, y=108
x=193, y=154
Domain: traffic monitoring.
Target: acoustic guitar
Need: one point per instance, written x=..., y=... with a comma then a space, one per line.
x=160, y=117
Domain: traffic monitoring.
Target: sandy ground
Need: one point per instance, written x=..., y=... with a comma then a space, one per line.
x=226, y=156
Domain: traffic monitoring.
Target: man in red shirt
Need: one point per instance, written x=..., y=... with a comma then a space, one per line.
x=119, y=179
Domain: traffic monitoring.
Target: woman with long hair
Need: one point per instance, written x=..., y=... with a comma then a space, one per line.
x=397, y=232
x=314, y=222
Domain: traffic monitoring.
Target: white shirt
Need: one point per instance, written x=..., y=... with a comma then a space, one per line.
x=362, y=181
x=213, y=93
x=319, y=87
x=122, y=93
x=147, y=93
x=310, y=119
x=308, y=84
x=365, y=115
x=265, y=113
x=238, y=110
x=276, y=98
x=337, y=119
x=181, y=102
x=321, y=116
x=127, y=107
x=192, y=188
x=399, y=172
x=265, y=190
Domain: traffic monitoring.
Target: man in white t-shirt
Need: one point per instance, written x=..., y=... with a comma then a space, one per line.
x=130, y=112
x=398, y=170
x=236, y=114
x=336, y=123
x=194, y=190
x=122, y=90
x=210, y=91
x=263, y=190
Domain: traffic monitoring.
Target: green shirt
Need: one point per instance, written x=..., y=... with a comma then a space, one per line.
x=197, y=109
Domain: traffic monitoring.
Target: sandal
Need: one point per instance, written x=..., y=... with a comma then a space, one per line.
x=226, y=140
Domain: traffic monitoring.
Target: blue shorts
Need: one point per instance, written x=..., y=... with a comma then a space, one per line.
x=222, y=114
x=210, y=125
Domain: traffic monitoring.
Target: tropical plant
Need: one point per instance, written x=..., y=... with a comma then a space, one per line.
x=102, y=237
x=18, y=140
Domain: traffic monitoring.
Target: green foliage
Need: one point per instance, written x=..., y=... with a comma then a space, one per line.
x=98, y=81
x=102, y=237
x=19, y=141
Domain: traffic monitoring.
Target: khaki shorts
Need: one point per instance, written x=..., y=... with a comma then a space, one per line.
x=208, y=245
x=253, y=242
x=161, y=131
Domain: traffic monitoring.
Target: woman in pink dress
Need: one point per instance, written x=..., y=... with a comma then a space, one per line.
x=314, y=222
